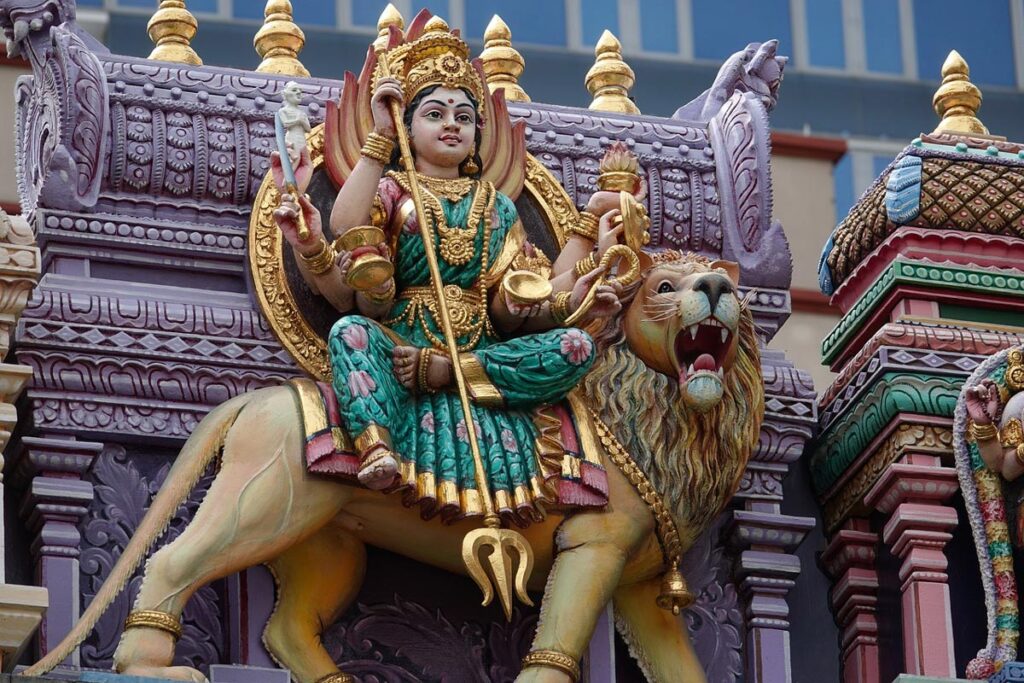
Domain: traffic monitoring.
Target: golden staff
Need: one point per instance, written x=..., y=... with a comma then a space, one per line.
x=507, y=576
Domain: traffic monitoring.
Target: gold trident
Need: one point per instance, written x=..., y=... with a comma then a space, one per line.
x=502, y=547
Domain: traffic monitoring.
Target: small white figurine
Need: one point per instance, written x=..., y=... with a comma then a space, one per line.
x=292, y=122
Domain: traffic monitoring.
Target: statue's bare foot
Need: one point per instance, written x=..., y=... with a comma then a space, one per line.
x=406, y=360
x=378, y=468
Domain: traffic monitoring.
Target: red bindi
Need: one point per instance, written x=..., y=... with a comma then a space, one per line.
x=451, y=101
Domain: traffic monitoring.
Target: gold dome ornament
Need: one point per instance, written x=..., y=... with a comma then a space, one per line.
x=503, y=65
x=172, y=28
x=957, y=100
x=388, y=18
x=279, y=41
x=610, y=79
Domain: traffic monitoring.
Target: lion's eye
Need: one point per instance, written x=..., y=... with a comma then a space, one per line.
x=665, y=288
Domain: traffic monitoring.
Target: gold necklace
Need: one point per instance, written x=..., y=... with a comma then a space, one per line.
x=456, y=243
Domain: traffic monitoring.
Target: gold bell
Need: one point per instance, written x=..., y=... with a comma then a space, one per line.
x=675, y=595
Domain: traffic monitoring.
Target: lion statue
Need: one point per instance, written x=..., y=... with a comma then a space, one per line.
x=677, y=398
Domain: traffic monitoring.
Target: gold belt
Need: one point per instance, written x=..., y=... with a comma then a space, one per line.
x=467, y=310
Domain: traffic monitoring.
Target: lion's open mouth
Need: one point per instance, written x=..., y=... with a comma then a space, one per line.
x=701, y=349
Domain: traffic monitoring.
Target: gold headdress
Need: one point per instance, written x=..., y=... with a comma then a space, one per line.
x=438, y=57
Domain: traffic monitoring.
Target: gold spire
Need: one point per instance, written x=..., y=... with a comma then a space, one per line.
x=388, y=18
x=172, y=27
x=502, y=63
x=957, y=100
x=610, y=79
x=279, y=41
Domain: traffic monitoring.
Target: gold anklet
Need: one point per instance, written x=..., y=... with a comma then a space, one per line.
x=163, y=621
x=338, y=677
x=554, y=660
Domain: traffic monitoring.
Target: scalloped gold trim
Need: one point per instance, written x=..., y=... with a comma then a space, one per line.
x=266, y=249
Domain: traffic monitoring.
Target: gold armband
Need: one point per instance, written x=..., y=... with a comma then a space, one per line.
x=585, y=265
x=555, y=660
x=560, y=307
x=322, y=261
x=587, y=226
x=377, y=148
x=168, y=623
x=982, y=432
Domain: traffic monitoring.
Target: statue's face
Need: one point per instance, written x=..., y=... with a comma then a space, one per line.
x=292, y=93
x=444, y=127
x=684, y=323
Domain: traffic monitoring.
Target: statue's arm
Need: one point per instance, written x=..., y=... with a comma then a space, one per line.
x=999, y=459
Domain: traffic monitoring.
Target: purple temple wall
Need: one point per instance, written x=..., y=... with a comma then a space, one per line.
x=139, y=178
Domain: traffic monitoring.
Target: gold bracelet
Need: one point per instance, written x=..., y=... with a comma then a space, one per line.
x=381, y=297
x=423, y=364
x=555, y=660
x=982, y=432
x=339, y=677
x=378, y=148
x=586, y=227
x=585, y=265
x=322, y=261
x=143, y=618
x=560, y=307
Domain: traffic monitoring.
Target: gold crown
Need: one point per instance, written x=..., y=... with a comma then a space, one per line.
x=438, y=57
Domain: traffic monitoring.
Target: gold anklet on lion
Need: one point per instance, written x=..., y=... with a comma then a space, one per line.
x=555, y=660
x=154, y=619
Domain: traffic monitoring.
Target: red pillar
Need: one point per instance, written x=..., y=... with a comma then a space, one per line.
x=850, y=560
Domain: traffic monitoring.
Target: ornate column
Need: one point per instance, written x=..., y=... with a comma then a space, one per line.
x=56, y=499
x=911, y=494
x=850, y=561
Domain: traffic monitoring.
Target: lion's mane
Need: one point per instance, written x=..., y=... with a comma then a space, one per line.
x=694, y=461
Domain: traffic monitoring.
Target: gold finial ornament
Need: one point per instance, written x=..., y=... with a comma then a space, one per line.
x=503, y=65
x=957, y=100
x=279, y=41
x=171, y=28
x=388, y=18
x=610, y=79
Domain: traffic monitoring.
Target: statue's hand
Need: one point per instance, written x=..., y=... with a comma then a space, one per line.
x=383, y=122
x=286, y=217
x=303, y=171
x=606, y=300
x=519, y=310
x=983, y=402
x=604, y=201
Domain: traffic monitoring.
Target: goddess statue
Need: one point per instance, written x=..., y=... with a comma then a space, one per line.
x=391, y=370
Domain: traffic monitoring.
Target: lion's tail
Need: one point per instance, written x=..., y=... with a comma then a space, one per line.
x=202, y=447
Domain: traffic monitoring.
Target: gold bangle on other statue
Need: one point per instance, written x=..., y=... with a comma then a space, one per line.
x=560, y=307
x=585, y=265
x=982, y=432
x=422, y=366
x=168, y=623
x=339, y=677
x=322, y=261
x=587, y=226
x=385, y=297
x=378, y=148
x=554, y=660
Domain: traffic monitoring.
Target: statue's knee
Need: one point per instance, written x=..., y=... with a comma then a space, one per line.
x=577, y=347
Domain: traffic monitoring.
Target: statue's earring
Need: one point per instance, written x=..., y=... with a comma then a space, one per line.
x=469, y=166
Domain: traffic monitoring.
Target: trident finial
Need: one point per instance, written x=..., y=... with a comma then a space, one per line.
x=279, y=41
x=172, y=27
x=503, y=65
x=388, y=18
x=957, y=100
x=610, y=79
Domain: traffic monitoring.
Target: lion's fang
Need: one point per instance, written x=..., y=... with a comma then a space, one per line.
x=725, y=334
x=693, y=331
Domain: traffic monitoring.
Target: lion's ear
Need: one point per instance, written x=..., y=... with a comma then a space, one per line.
x=731, y=268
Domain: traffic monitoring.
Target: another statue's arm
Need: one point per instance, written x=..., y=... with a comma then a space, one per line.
x=999, y=459
x=656, y=637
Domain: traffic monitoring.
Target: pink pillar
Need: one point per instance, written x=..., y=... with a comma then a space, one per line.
x=912, y=494
x=850, y=560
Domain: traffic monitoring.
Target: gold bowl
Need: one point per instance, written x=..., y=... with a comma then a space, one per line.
x=369, y=269
x=526, y=287
x=361, y=236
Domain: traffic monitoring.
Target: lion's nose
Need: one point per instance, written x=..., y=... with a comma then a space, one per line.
x=714, y=286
